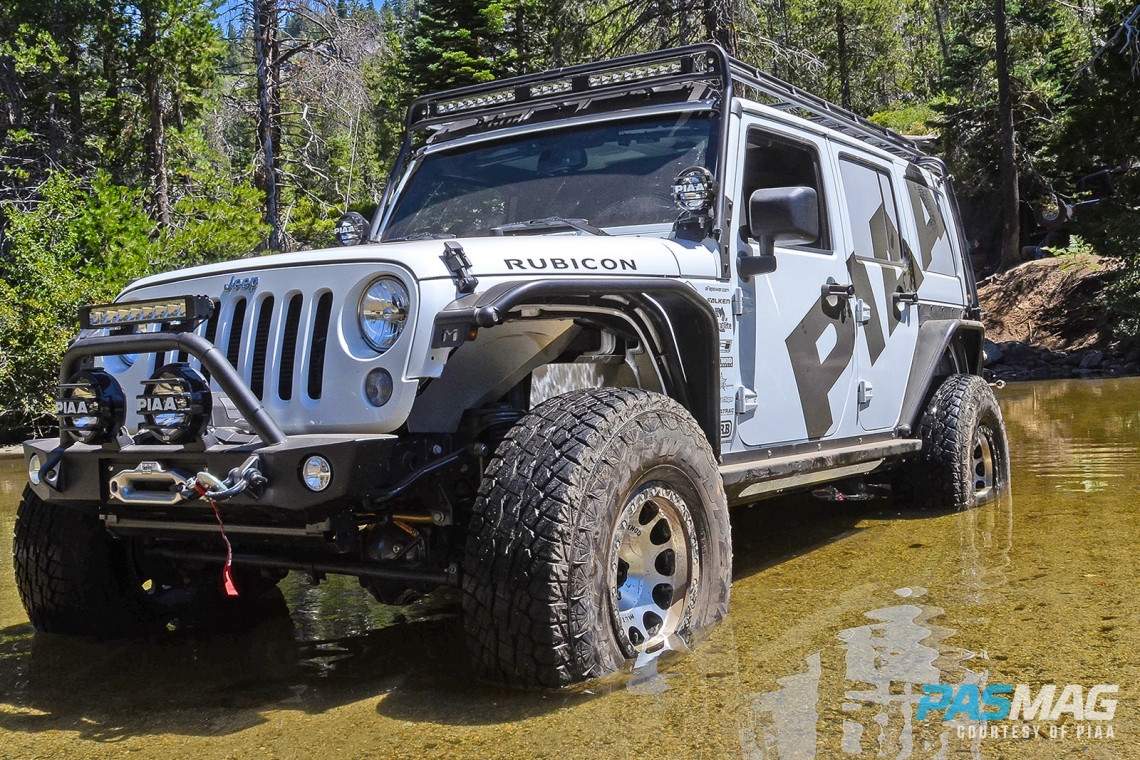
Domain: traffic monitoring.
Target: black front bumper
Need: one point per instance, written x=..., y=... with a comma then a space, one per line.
x=359, y=464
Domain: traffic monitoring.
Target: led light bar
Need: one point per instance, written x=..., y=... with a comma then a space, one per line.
x=556, y=87
x=180, y=309
x=635, y=73
x=475, y=101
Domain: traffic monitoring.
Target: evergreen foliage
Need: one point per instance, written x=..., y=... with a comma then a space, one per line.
x=129, y=140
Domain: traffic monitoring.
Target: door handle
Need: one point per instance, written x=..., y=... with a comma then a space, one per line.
x=907, y=298
x=835, y=289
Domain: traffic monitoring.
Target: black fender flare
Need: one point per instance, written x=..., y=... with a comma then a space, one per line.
x=935, y=338
x=683, y=322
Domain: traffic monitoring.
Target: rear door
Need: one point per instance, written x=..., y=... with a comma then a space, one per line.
x=940, y=272
x=881, y=269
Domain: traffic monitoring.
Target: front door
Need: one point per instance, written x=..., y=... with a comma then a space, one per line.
x=796, y=343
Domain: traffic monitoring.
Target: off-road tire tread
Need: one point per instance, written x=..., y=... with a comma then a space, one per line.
x=69, y=576
x=937, y=478
x=530, y=614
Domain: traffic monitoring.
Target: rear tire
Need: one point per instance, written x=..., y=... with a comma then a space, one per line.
x=72, y=577
x=965, y=457
x=600, y=531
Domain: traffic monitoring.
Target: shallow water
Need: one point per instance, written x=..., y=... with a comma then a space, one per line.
x=840, y=614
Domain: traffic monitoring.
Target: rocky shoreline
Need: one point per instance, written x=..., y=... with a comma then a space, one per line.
x=1014, y=361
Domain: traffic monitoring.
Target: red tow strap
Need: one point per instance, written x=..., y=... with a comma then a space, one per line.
x=227, y=569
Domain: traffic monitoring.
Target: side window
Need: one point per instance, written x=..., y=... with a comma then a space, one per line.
x=934, y=243
x=872, y=210
x=771, y=161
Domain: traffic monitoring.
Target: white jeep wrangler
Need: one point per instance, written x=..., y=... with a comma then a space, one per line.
x=533, y=376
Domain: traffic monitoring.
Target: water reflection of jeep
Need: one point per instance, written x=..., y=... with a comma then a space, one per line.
x=598, y=307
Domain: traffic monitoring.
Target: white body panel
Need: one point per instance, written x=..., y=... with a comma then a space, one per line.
x=791, y=361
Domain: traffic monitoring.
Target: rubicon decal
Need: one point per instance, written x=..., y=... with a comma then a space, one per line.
x=588, y=264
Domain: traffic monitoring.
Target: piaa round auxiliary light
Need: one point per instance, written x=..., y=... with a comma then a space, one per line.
x=90, y=406
x=351, y=229
x=694, y=190
x=175, y=405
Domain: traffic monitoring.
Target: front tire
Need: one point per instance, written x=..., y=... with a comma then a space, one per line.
x=965, y=457
x=71, y=576
x=601, y=531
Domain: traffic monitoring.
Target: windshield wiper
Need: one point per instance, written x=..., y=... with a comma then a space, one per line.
x=547, y=223
x=423, y=236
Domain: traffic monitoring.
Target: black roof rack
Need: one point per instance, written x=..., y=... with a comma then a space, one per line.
x=703, y=62
x=788, y=97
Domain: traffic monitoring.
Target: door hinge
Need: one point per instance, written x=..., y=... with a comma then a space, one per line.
x=862, y=311
x=746, y=400
x=866, y=392
x=737, y=302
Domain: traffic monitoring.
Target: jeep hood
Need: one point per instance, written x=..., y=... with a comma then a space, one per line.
x=524, y=256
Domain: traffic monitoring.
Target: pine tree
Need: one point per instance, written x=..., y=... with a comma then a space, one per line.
x=452, y=43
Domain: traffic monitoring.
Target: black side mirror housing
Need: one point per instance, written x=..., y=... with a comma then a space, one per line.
x=779, y=215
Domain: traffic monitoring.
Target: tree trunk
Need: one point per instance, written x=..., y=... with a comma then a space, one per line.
x=720, y=24
x=265, y=17
x=156, y=137
x=945, y=48
x=1010, y=223
x=844, y=58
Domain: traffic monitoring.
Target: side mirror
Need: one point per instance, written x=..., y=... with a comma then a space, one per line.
x=779, y=215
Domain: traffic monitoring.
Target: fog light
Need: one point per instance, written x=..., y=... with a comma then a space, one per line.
x=34, y=465
x=175, y=405
x=378, y=386
x=90, y=406
x=316, y=473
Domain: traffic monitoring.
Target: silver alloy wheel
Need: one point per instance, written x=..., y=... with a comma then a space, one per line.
x=654, y=568
x=982, y=465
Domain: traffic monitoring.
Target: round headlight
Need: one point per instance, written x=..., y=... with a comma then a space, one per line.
x=383, y=312
x=90, y=406
x=316, y=472
x=176, y=404
x=34, y=466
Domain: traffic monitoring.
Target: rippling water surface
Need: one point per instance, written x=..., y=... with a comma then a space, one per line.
x=840, y=615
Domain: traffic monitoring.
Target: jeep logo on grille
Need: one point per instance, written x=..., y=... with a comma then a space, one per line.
x=240, y=283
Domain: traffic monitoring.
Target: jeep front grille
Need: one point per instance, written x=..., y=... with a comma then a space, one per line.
x=289, y=347
x=293, y=338
x=317, y=351
x=230, y=330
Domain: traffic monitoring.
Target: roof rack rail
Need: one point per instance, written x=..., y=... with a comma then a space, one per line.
x=692, y=63
x=825, y=113
x=700, y=62
x=703, y=62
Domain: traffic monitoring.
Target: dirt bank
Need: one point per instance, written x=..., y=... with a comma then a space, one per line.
x=1044, y=320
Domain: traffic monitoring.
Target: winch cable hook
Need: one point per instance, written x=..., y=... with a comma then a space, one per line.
x=211, y=484
x=213, y=490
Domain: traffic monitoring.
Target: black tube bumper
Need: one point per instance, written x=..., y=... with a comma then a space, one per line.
x=359, y=464
x=212, y=359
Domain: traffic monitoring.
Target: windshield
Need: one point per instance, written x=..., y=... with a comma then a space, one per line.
x=614, y=174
